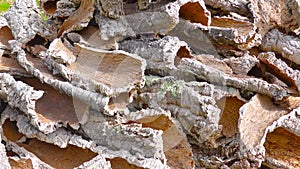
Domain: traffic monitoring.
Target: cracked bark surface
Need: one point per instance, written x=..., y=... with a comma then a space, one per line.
x=167, y=84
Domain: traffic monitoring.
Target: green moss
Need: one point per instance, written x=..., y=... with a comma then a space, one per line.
x=173, y=87
x=4, y=6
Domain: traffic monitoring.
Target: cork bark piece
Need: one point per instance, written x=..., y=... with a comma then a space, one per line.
x=270, y=14
x=176, y=148
x=195, y=12
x=280, y=69
x=31, y=23
x=282, y=147
x=46, y=152
x=232, y=30
x=79, y=18
x=280, y=43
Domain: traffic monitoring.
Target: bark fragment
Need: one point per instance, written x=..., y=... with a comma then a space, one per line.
x=159, y=54
x=5, y=34
x=287, y=46
x=271, y=14
x=91, y=35
x=113, y=28
x=64, y=9
x=240, y=7
x=195, y=36
x=98, y=162
x=110, y=8
x=39, y=70
x=160, y=20
x=60, y=53
x=50, y=154
x=252, y=137
x=176, y=147
x=150, y=149
x=193, y=105
x=231, y=30
x=3, y=156
x=30, y=22
x=79, y=18
x=195, y=12
x=142, y=143
x=217, y=77
x=282, y=149
x=280, y=69
x=242, y=65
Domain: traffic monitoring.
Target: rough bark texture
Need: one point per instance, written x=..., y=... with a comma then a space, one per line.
x=30, y=23
x=287, y=46
x=166, y=84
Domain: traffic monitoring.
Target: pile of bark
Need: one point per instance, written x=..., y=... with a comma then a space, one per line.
x=150, y=84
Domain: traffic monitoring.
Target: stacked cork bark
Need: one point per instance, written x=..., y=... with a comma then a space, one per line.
x=158, y=84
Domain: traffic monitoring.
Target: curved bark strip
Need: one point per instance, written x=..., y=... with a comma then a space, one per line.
x=215, y=76
x=79, y=18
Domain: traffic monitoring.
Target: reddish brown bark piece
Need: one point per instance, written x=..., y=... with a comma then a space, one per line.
x=56, y=157
x=230, y=115
x=82, y=15
x=282, y=148
x=120, y=163
x=54, y=106
x=5, y=35
x=196, y=12
x=11, y=66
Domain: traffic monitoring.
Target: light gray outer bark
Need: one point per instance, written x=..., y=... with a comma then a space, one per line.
x=159, y=54
x=242, y=65
x=111, y=28
x=238, y=6
x=20, y=95
x=217, y=77
x=286, y=45
x=65, y=8
x=271, y=14
x=96, y=100
x=286, y=73
x=26, y=22
x=193, y=104
x=98, y=162
x=110, y=8
x=3, y=157
x=139, y=146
